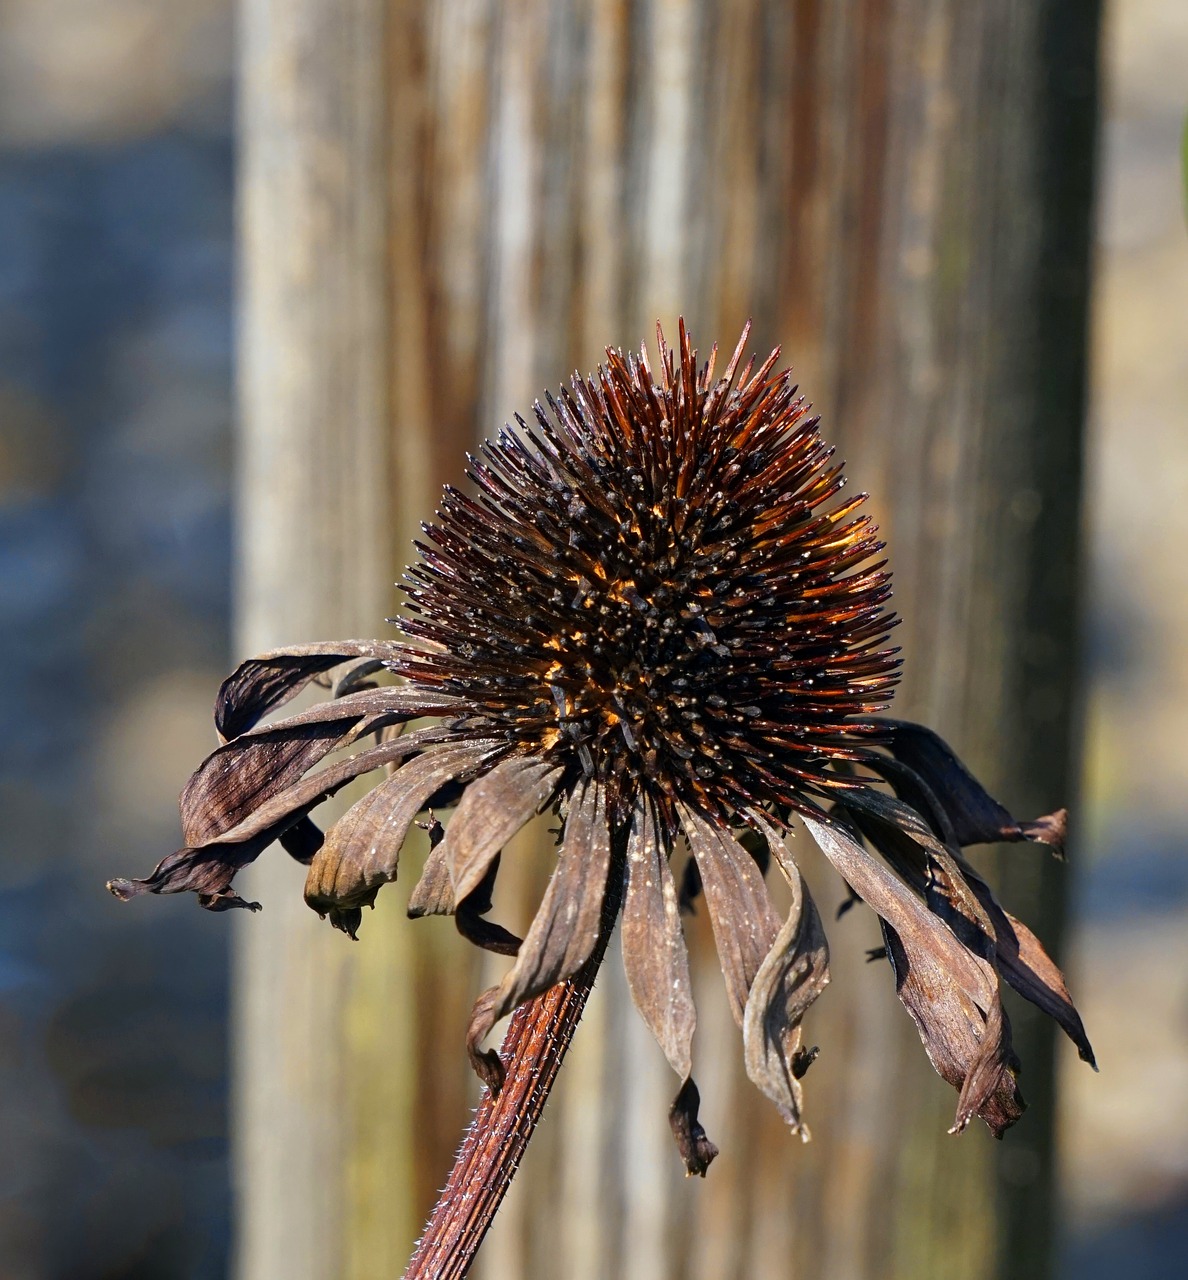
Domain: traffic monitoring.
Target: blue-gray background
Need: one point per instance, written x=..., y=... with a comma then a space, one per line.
x=116, y=222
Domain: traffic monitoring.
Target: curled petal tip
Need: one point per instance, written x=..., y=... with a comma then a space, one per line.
x=697, y=1151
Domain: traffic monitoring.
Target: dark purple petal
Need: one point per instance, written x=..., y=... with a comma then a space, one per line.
x=906, y=840
x=267, y=681
x=975, y=816
x=958, y=894
x=1025, y=964
x=361, y=851
x=492, y=809
x=697, y=1151
x=951, y=994
x=208, y=868
x=242, y=773
x=655, y=958
x=744, y=922
x=302, y=840
x=568, y=923
x=791, y=977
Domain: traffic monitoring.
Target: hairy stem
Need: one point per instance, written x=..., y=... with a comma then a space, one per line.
x=537, y=1039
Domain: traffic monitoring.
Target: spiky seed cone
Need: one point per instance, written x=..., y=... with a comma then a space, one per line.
x=656, y=586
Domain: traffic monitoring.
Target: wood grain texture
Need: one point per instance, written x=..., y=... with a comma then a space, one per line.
x=445, y=209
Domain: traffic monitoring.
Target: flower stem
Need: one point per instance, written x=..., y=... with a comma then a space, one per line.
x=533, y=1049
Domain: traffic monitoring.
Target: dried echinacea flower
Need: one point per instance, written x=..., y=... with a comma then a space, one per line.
x=655, y=618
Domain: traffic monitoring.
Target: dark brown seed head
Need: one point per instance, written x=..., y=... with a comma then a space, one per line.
x=658, y=585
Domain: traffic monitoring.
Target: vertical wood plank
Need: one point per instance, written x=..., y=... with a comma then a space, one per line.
x=323, y=1068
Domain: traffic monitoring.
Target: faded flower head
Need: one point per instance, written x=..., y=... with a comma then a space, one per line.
x=656, y=618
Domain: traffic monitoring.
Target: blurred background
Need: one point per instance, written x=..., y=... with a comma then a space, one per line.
x=117, y=226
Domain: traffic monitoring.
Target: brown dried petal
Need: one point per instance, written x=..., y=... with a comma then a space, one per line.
x=209, y=868
x=484, y=933
x=976, y=817
x=908, y=843
x=655, y=958
x=744, y=922
x=492, y=809
x=958, y=895
x=697, y=1151
x=260, y=684
x=433, y=894
x=1025, y=964
x=241, y=774
x=951, y=994
x=792, y=976
x=362, y=849
x=565, y=929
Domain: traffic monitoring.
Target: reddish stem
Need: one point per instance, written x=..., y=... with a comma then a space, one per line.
x=532, y=1052
x=533, y=1049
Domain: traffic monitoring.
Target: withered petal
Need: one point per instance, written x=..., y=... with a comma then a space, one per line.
x=469, y=913
x=269, y=680
x=487, y=1064
x=209, y=868
x=907, y=841
x=239, y=775
x=976, y=817
x=655, y=958
x=1025, y=964
x=957, y=893
x=242, y=774
x=492, y=809
x=567, y=924
x=1050, y=829
x=697, y=1151
x=744, y=922
x=967, y=1044
x=950, y=993
x=433, y=894
x=484, y=933
x=302, y=840
x=793, y=975
x=361, y=851
x=228, y=900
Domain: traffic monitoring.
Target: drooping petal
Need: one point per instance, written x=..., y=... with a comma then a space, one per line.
x=1025, y=964
x=302, y=840
x=208, y=868
x=959, y=895
x=470, y=917
x=241, y=774
x=433, y=894
x=361, y=851
x=697, y=1151
x=744, y=922
x=968, y=1047
x=492, y=809
x=906, y=840
x=976, y=817
x=567, y=924
x=793, y=975
x=267, y=681
x=655, y=958
x=951, y=993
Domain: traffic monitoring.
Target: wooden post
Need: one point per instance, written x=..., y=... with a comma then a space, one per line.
x=446, y=208
x=322, y=1064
